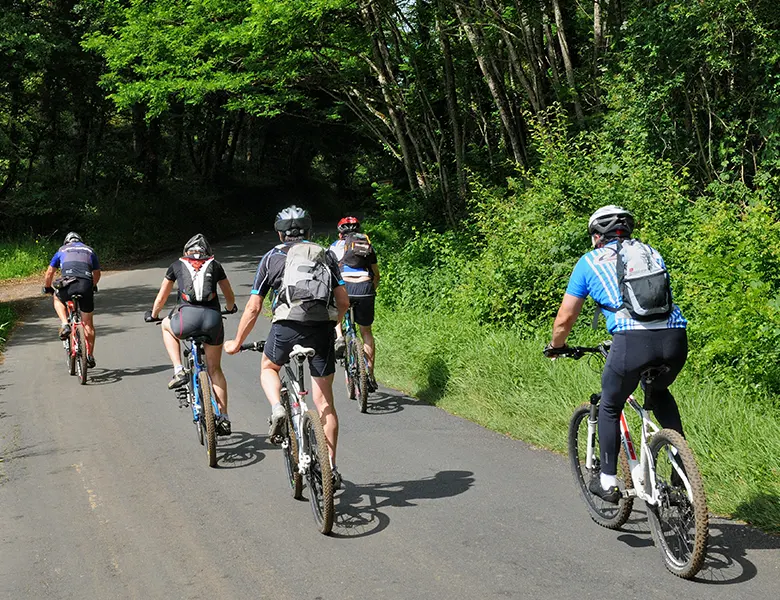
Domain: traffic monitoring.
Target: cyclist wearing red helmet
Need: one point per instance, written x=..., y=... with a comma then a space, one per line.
x=360, y=272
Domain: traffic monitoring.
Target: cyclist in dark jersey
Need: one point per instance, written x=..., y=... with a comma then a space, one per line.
x=80, y=272
x=197, y=312
x=309, y=324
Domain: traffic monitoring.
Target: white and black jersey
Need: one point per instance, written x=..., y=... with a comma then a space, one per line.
x=197, y=280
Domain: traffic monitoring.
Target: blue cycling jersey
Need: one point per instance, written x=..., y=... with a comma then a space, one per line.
x=75, y=260
x=595, y=275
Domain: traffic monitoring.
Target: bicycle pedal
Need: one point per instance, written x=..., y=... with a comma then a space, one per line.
x=183, y=397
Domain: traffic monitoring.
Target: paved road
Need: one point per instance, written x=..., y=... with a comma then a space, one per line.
x=104, y=492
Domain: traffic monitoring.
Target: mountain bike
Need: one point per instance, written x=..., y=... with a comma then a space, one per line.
x=354, y=363
x=665, y=475
x=198, y=395
x=303, y=442
x=76, y=345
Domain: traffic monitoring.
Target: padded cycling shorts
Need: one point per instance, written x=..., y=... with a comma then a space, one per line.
x=190, y=321
x=82, y=287
x=320, y=336
x=362, y=296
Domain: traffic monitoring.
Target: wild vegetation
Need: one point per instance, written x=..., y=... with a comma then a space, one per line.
x=489, y=130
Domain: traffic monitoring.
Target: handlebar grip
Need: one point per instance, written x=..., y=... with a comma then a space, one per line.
x=252, y=346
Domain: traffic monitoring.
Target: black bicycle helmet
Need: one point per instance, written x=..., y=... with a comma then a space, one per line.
x=72, y=237
x=198, y=244
x=611, y=219
x=293, y=221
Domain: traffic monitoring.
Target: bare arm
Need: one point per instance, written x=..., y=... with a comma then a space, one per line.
x=162, y=296
x=247, y=323
x=342, y=301
x=49, y=276
x=375, y=271
x=567, y=315
x=96, y=276
x=227, y=292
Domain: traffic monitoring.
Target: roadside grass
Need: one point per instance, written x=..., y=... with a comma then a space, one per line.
x=500, y=380
x=24, y=257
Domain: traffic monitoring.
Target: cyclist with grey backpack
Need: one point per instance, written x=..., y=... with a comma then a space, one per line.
x=308, y=299
x=630, y=284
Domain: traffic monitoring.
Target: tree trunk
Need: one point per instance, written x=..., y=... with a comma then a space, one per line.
x=567, y=62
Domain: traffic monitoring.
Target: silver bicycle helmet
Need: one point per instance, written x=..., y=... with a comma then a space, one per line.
x=72, y=237
x=611, y=219
x=293, y=221
x=198, y=244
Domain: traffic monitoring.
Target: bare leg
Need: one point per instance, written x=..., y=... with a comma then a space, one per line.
x=171, y=342
x=60, y=309
x=270, y=381
x=89, y=328
x=368, y=345
x=218, y=381
x=322, y=394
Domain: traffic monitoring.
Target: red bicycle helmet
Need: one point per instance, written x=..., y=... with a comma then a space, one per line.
x=348, y=224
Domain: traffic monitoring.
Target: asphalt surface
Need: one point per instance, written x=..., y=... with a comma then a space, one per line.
x=106, y=493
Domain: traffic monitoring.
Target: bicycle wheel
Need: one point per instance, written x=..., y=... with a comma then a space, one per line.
x=349, y=367
x=318, y=477
x=680, y=521
x=605, y=514
x=70, y=356
x=208, y=416
x=360, y=376
x=81, y=354
x=290, y=451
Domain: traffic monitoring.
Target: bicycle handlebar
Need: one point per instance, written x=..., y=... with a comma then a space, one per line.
x=252, y=346
x=577, y=352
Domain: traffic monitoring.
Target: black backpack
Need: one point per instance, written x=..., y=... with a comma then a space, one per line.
x=357, y=249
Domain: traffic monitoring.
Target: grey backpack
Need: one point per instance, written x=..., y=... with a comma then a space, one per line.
x=306, y=292
x=644, y=281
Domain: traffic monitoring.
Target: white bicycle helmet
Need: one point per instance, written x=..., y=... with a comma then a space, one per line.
x=72, y=237
x=609, y=219
x=293, y=221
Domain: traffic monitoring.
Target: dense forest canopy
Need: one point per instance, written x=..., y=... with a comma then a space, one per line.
x=104, y=95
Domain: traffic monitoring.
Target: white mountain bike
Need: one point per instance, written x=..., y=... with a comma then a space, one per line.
x=664, y=475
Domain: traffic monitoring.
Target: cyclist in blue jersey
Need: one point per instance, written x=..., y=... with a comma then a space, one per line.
x=360, y=273
x=636, y=344
x=80, y=272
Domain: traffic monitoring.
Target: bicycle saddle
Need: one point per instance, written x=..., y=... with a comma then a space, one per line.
x=301, y=351
x=200, y=339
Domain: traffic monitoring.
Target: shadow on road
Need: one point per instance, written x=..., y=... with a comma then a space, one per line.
x=242, y=449
x=355, y=519
x=384, y=403
x=98, y=376
x=726, y=561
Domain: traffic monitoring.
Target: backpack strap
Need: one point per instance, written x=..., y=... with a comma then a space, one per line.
x=596, y=313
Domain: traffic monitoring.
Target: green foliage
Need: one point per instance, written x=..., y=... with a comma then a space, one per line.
x=25, y=257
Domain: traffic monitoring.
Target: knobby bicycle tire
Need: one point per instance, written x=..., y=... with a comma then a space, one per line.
x=71, y=356
x=208, y=417
x=81, y=354
x=605, y=514
x=680, y=521
x=290, y=451
x=349, y=367
x=319, y=476
x=361, y=381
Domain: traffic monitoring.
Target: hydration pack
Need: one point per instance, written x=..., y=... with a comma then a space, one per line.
x=306, y=293
x=198, y=285
x=357, y=249
x=643, y=282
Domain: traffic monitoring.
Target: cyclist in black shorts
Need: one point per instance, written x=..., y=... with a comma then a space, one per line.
x=197, y=312
x=360, y=272
x=308, y=319
x=80, y=272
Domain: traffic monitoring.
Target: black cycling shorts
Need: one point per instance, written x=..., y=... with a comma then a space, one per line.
x=320, y=336
x=82, y=287
x=193, y=321
x=361, y=297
